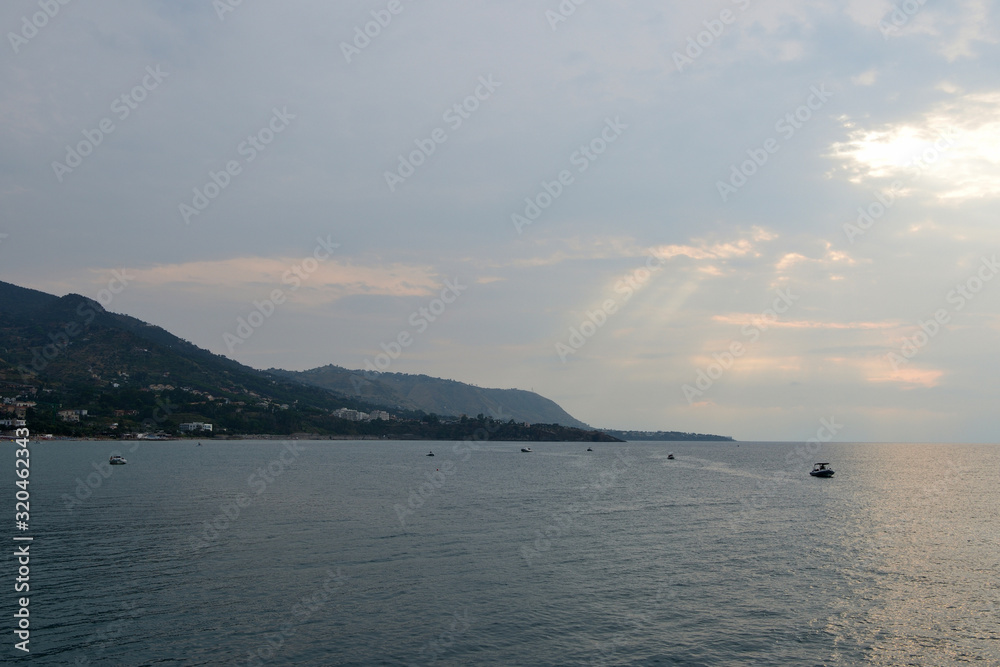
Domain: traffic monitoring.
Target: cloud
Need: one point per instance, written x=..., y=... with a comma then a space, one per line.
x=718, y=250
x=744, y=318
x=879, y=371
x=254, y=277
x=866, y=78
x=953, y=149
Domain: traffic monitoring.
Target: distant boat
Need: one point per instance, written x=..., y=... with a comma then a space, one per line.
x=670, y=456
x=589, y=449
x=117, y=460
x=429, y=454
x=526, y=449
x=821, y=470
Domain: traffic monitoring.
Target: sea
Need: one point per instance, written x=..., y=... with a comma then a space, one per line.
x=271, y=552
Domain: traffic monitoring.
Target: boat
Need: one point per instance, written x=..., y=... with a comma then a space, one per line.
x=589, y=449
x=670, y=456
x=117, y=460
x=821, y=470
x=526, y=449
x=429, y=454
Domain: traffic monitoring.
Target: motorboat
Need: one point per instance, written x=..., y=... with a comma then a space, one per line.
x=429, y=454
x=670, y=456
x=117, y=460
x=526, y=449
x=590, y=449
x=821, y=470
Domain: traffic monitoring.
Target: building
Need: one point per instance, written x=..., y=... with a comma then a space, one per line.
x=190, y=427
x=72, y=415
x=350, y=415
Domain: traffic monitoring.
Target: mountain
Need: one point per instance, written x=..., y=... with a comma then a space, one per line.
x=72, y=340
x=436, y=396
x=70, y=353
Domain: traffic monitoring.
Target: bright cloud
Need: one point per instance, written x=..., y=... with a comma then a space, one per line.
x=953, y=150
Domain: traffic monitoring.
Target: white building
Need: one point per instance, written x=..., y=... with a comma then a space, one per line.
x=350, y=415
x=190, y=427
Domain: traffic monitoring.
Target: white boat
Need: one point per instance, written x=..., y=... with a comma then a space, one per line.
x=525, y=449
x=670, y=456
x=821, y=470
x=117, y=460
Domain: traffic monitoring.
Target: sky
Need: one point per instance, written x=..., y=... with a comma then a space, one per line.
x=769, y=219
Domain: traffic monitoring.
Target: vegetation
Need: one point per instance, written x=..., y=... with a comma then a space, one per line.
x=123, y=412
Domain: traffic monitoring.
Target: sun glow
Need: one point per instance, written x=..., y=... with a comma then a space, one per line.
x=952, y=152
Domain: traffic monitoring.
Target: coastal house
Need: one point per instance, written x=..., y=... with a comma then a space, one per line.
x=191, y=427
x=72, y=415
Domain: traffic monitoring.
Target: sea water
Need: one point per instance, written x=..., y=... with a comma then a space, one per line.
x=372, y=553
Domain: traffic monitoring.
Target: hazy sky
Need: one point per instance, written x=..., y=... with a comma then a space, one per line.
x=738, y=217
